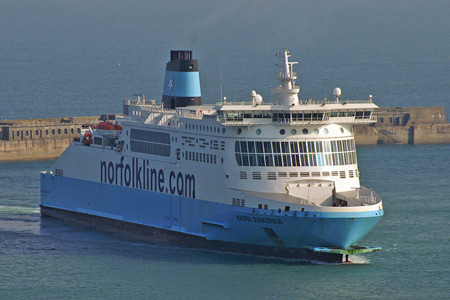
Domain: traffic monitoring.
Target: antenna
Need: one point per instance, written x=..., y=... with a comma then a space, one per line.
x=221, y=79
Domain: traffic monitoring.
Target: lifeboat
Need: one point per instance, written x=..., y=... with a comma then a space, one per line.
x=108, y=126
x=87, y=140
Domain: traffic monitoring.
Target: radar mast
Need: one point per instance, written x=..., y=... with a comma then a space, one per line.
x=287, y=92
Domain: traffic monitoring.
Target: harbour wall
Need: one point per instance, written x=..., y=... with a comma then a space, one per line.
x=33, y=149
x=405, y=125
x=36, y=139
x=414, y=135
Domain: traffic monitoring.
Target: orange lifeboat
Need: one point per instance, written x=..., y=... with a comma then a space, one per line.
x=108, y=126
x=87, y=139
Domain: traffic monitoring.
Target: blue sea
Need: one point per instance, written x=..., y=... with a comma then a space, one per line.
x=77, y=58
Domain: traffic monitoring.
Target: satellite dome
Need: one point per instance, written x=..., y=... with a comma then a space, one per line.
x=337, y=92
x=256, y=98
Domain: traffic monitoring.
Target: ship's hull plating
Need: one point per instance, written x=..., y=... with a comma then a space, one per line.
x=205, y=224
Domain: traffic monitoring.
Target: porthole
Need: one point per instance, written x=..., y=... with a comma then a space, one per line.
x=239, y=131
x=282, y=131
x=325, y=131
x=342, y=130
x=305, y=131
x=316, y=131
x=293, y=131
x=223, y=130
x=258, y=131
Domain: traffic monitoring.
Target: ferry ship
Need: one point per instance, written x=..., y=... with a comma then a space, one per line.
x=275, y=179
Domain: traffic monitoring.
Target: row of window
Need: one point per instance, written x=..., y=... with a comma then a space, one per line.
x=294, y=146
x=295, y=154
x=150, y=142
x=200, y=157
x=150, y=148
x=274, y=175
x=38, y=133
x=204, y=128
x=296, y=160
x=150, y=136
x=288, y=117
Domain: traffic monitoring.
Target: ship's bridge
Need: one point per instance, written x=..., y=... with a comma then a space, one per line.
x=306, y=112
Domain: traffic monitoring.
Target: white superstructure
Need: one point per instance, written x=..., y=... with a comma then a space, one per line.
x=281, y=174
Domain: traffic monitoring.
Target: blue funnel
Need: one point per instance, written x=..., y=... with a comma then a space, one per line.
x=182, y=81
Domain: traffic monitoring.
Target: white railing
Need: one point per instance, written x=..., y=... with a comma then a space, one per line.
x=301, y=102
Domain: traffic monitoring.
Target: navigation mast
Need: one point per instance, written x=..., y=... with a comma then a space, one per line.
x=287, y=92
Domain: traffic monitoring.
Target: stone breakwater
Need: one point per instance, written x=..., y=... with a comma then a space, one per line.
x=405, y=125
x=36, y=139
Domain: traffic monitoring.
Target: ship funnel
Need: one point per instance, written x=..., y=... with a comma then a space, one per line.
x=182, y=81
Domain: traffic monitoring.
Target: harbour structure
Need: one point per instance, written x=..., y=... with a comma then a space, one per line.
x=276, y=179
x=32, y=139
x=405, y=125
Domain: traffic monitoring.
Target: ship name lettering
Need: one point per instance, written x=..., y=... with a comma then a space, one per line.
x=243, y=218
x=267, y=220
x=249, y=219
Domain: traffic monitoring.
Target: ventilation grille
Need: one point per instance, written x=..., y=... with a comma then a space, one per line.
x=342, y=174
x=271, y=176
x=243, y=175
x=282, y=174
x=256, y=175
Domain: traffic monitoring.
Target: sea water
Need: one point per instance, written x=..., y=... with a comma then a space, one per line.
x=48, y=258
x=75, y=58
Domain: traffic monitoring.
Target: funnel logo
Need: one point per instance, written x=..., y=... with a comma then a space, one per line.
x=170, y=85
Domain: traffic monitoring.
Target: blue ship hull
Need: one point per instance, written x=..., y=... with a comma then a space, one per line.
x=195, y=223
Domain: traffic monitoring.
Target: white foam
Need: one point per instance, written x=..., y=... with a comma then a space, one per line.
x=19, y=210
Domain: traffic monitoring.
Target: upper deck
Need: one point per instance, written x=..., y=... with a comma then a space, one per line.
x=248, y=114
x=306, y=112
x=287, y=110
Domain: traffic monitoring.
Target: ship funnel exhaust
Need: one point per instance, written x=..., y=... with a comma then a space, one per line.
x=182, y=81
